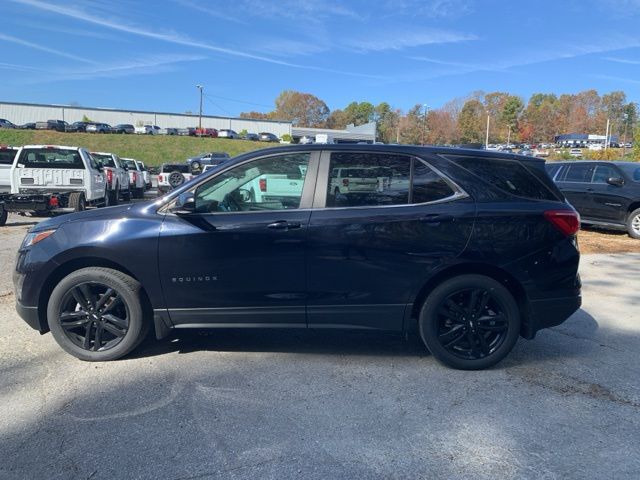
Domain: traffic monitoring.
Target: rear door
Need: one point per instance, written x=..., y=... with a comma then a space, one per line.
x=369, y=250
x=609, y=203
x=574, y=181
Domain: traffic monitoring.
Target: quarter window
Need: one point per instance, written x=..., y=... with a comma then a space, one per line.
x=272, y=183
x=428, y=186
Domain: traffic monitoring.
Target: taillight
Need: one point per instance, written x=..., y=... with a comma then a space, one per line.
x=263, y=184
x=135, y=177
x=109, y=176
x=159, y=178
x=53, y=202
x=566, y=221
x=345, y=182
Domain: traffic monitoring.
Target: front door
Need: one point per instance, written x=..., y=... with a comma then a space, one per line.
x=239, y=259
x=379, y=237
x=608, y=201
x=575, y=184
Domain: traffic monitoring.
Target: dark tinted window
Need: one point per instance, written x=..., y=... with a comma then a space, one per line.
x=173, y=167
x=603, y=173
x=106, y=160
x=7, y=156
x=552, y=169
x=507, y=175
x=50, y=158
x=632, y=170
x=368, y=179
x=428, y=186
x=580, y=172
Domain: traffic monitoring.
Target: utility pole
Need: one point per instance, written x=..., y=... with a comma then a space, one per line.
x=424, y=123
x=486, y=140
x=201, y=88
x=624, y=141
x=606, y=136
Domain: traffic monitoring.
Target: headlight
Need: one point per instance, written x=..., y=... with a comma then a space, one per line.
x=35, y=237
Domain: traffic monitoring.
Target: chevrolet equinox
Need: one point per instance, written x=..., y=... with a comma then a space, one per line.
x=473, y=248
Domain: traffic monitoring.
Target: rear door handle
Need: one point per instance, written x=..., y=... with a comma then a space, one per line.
x=437, y=218
x=283, y=225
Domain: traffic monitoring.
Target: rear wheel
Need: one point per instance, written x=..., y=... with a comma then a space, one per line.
x=470, y=322
x=3, y=216
x=77, y=201
x=139, y=192
x=95, y=314
x=113, y=196
x=633, y=224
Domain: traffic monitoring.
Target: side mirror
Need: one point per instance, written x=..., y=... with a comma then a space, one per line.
x=615, y=181
x=185, y=204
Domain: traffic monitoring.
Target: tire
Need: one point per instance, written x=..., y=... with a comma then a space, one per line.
x=139, y=192
x=113, y=196
x=3, y=216
x=126, y=195
x=107, y=200
x=467, y=338
x=196, y=165
x=119, y=320
x=633, y=224
x=77, y=201
x=176, y=179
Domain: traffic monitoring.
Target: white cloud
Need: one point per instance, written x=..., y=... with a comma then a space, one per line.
x=626, y=61
x=401, y=40
x=42, y=48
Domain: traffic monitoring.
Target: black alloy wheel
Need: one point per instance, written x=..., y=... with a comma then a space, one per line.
x=470, y=322
x=96, y=314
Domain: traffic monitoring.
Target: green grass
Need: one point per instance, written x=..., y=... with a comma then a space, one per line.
x=151, y=149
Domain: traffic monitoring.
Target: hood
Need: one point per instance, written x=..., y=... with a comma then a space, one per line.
x=108, y=212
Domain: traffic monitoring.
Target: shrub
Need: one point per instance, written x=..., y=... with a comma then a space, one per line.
x=286, y=138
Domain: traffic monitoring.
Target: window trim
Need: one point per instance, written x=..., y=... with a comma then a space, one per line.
x=323, y=179
x=308, y=189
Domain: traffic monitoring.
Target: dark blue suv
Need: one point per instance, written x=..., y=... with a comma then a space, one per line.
x=474, y=248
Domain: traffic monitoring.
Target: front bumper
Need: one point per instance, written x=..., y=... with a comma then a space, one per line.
x=30, y=315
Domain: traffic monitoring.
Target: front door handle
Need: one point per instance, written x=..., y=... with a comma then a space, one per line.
x=283, y=225
x=437, y=218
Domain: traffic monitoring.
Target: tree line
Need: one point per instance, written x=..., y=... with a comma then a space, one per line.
x=464, y=120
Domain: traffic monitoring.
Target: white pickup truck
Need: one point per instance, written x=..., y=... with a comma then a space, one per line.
x=116, y=175
x=54, y=179
x=7, y=156
x=136, y=177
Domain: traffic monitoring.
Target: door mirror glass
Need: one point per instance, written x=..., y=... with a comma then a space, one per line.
x=615, y=181
x=185, y=204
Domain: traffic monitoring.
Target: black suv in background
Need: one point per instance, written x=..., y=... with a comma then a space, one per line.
x=473, y=248
x=604, y=193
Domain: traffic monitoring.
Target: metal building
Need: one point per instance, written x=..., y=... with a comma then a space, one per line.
x=21, y=113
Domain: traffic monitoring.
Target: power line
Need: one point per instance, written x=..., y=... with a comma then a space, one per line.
x=242, y=101
x=206, y=96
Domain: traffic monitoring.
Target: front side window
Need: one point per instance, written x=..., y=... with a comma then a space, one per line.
x=604, y=173
x=272, y=183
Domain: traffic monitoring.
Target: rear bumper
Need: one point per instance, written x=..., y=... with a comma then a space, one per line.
x=27, y=203
x=549, y=313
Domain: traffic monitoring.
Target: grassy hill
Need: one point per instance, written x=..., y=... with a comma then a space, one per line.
x=151, y=149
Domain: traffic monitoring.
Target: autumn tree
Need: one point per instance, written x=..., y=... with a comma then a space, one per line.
x=471, y=122
x=510, y=114
x=301, y=109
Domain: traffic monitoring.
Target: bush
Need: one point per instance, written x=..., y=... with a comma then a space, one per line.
x=636, y=144
x=243, y=132
x=286, y=138
x=86, y=119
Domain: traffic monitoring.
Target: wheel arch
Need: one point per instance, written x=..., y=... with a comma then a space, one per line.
x=76, y=264
x=506, y=279
x=633, y=206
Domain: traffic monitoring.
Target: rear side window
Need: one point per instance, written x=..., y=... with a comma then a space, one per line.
x=50, y=158
x=359, y=179
x=580, y=173
x=508, y=175
x=7, y=156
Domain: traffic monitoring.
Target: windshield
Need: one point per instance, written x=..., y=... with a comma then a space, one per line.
x=104, y=159
x=632, y=170
x=50, y=158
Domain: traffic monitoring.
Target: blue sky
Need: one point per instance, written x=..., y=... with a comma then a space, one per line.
x=151, y=54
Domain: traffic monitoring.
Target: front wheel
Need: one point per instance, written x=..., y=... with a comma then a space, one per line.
x=95, y=314
x=633, y=224
x=470, y=322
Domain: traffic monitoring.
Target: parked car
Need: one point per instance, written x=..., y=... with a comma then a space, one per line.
x=171, y=176
x=54, y=179
x=208, y=158
x=268, y=137
x=4, y=123
x=227, y=133
x=206, y=132
x=116, y=175
x=604, y=193
x=576, y=152
x=28, y=126
x=136, y=177
x=145, y=174
x=80, y=126
x=98, y=128
x=253, y=137
x=7, y=156
x=540, y=152
x=124, y=128
x=148, y=130
x=595, y=147
x=168, y=131
x=306, y=140
x=187, y=132
x=57, y=125
x=471, y=248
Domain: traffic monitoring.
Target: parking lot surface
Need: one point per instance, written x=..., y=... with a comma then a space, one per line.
x=298, y=404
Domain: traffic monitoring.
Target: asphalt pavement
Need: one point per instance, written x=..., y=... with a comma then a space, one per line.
x=298, y=404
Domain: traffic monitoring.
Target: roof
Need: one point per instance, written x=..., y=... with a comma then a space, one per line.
x=61, y=147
